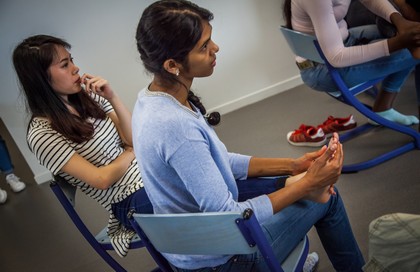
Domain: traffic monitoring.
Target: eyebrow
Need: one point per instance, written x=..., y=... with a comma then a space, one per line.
x=65, y=59
x=206, y=41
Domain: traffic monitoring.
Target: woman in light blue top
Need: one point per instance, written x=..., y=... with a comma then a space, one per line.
x=186, y=168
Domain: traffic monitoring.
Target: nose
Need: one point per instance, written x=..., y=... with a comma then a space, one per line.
x=75, y=70
x=215, y=48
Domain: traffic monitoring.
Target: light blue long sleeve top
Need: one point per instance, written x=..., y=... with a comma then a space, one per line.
x=186, y=168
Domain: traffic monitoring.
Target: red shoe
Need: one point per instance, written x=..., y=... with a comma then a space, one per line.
x=333, y=124
x=307, y=136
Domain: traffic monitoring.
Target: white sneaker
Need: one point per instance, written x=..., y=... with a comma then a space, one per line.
x=15, y=183
x=311, y=262
x=3, y=196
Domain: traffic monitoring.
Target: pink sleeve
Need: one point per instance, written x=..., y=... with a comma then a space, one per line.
x=330, y=39
x=382, y=8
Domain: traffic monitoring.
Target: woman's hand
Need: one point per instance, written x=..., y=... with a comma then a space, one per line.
x=408, y=34
x=326, y=170
x=98, y=85
x=303, y=163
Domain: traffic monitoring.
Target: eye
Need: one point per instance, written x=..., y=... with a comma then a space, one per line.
x=71, y=59
x=204, y=47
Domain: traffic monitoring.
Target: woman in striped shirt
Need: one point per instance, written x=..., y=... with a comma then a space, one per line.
x=80, y=129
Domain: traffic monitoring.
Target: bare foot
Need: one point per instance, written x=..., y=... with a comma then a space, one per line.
x=321, y=195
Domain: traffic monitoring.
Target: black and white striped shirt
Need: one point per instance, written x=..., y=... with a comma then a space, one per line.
x=53, y=151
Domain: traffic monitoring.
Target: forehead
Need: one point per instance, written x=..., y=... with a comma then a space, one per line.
x=205, y=35
x=60, y=53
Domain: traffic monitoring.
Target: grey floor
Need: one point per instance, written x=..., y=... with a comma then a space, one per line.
x=36, y=235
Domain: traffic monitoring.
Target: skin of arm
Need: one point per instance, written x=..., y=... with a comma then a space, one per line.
x=265, y=167
x=411, y=14
x=104, y=176
x=99, y=177
x=408, y=33
x=407, y=11
x=121, y=115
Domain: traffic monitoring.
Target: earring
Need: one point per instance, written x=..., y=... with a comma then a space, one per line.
x=177, y=72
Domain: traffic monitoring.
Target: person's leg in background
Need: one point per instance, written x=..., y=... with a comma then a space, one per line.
x=6, y=167
x=410, y=9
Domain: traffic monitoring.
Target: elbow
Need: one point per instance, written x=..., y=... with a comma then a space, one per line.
x=103, y=183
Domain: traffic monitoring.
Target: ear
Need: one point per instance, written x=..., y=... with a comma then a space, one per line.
x=171, y=66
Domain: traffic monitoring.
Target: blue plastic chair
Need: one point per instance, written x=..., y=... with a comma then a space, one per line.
x=307, y=46
x=212, y=233
x=66, y=195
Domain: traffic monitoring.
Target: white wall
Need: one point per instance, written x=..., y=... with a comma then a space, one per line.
x=253, y=63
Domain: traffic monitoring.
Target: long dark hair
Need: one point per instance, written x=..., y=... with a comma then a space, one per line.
x=31, y=59
x=287, y=13
x=170, y=29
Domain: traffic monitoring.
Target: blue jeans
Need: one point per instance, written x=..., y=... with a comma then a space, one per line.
x=139, y=201
x=396, y=67
x=285, y=229
x=5, y=162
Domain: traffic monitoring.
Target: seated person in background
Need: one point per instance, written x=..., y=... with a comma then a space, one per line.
x=82, y=134
x=187, y=169
x=6, y=167
x=410, y=9
x=344, y=48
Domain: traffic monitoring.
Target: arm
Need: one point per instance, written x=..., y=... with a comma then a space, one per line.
x=265, y=167
x=407, y=10
x=101, y=177
x=121, y=115
x=57, y=153
x=407, y=29
x=330, y=37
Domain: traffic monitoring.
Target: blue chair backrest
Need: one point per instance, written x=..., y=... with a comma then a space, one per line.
x=195, y=233
x=212, y=233
x=301, y=44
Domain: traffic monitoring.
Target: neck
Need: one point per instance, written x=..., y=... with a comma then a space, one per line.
x=178, y=91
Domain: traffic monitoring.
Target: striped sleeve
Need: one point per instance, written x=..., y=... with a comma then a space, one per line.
x=51, y=149
x=103, y=103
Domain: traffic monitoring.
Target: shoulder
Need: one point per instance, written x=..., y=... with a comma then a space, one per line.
x=102, y=102
x=42, y=135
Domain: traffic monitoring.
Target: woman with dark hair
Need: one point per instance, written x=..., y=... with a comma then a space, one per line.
x=186, y=168
x=80, y=130
x=347, y=50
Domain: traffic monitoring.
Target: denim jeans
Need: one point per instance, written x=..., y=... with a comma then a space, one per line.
x=285, y=229
x=139, y=201
x=5, y=162
x=396, y=67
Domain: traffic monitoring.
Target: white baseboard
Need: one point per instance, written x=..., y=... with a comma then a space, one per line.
x=258, y=95
x=43, y=177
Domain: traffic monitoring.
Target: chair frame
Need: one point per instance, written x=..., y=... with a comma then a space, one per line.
x=251, y=236
x=66, y=194
x=309, y=48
